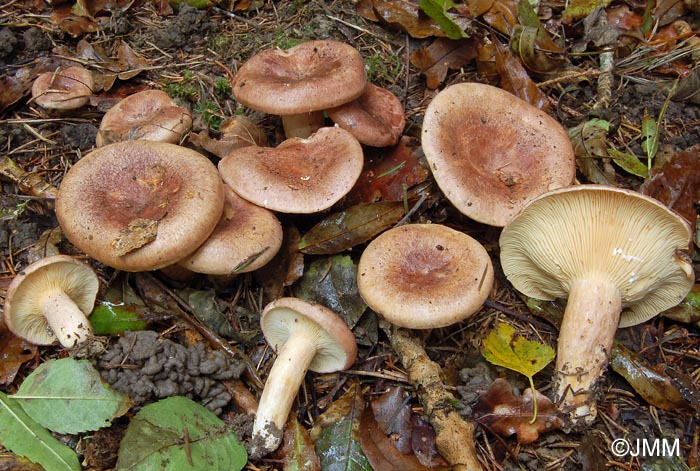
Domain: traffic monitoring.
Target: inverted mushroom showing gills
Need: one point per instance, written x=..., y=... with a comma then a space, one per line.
x=140, y=205
x=423, y=276
x=305, y=336
x=50, y=300
x=605, y=249
x=491, y=152
x=300, y=82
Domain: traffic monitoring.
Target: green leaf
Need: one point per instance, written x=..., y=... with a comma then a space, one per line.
x=113, y=319
x=503, y=347
x=298, y=450
x=578, y=9
x=68, y=396
x=629, y=162
x=332, y=281
x=650, y=135
x=355, y=225
x=23, y=436
x=336, y=434
x=177, y=434
x=437, y=10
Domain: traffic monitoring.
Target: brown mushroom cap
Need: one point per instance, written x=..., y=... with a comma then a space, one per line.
x=376, y=118
x=491, y=152
x=299, y=175
x=422, y=276
x=622, y=236
x=150, y=115
x=50, y=299
x=312, y=76
x=245, y=239
x=140, y=205
x=65, y=89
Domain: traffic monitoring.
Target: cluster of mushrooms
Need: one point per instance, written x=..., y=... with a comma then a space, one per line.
x=136, y=204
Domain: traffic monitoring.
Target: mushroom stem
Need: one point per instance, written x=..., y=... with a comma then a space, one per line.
x=283, y=382
x=302, y=125
x=68, y=323
x=585, y=342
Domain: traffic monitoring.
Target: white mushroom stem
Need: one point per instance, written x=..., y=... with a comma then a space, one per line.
x=302, y=125
x=68, y=323
x=283, y=382
x=585, y=341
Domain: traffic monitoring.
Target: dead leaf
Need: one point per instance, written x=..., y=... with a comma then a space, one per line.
x=284, y=269
x=74, y=25
x=392, y=411
x=577, y=9
x=137, y=233
x=234, y=132
x=515, y=79
x=505, y=413
x=424, y=443
x=654, y=387
x=298, y=449
x=443, y=55
x=677, y=183
x=407, y=15
x=14, y=351
x=503, y=16
x=46, y=245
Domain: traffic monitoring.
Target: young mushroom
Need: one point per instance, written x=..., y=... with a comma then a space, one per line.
x=300, y=82
x=299, y=176
x=140, y=205
x=65, y=89
x=606, y=249
x=50, y=300
x=422, y=276
x=149, y=115
x=305, y=336
x=491, y=152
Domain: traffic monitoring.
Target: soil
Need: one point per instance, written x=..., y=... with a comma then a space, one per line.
x=192, y=54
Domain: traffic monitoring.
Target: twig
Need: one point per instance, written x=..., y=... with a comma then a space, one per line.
x=29, y=183
x=455, y=436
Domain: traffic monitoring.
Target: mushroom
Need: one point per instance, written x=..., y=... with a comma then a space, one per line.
x=65, y=89
x=150, y=115
x=491, y=152
x=300, y=82
x=246, y=238
x=376, y=118
x=606, y=249
x=50, y=300
x=306, y=336
x=140, y=205
x=422, y=276
x=298, y=176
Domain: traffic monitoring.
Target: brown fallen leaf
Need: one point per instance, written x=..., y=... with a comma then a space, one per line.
x=298, y=449
x=515, y=79
x=505, y=413
x=392, y=412
x=406, y=15
x=284, y=269
x=14, y=351
x=443, y=55
x=234, y=132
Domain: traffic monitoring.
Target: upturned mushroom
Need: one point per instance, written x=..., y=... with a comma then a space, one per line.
x=618, y=256
x=149, y=115
x=50, y=301
x=306, y=337
x=376, y=118
x=299, y=176
x=65, y=89
x=422, y=276
x=140, y=205
x=491, y=152
x=300, y=82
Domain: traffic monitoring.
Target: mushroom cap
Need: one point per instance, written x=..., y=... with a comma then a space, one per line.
x=422, y=276
x=491, y=152
x=596, y=231
x=25, y=297
x=246, y=238
x=65, y=89
x=298, y=176
x=140, y=205
x=150, y=115
x=312, y=76
x=376, y=118
x=336, y=344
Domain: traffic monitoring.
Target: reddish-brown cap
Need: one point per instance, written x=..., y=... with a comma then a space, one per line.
x=422, y=276
x=140, y=205
x=312, y=76
x=246, y=238
x=376, y=118
x=299, y=175
x=149, y=115
x=65, y=89
x=491, y=152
